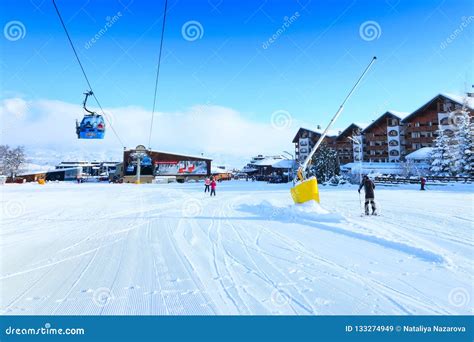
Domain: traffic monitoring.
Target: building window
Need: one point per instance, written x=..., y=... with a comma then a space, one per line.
x=394, y=153
x=417, y=124
x=393, y=133
x=444, y=121
x=393, y=143
x=415, y=134
x=447, y=106
x=448, y=132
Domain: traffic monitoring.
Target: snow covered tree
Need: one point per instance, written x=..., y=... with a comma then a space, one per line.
x=325, y=164
x=12, y=159
x=3, y=154
x=462, y=162
x=442, y=156
x=470, y=153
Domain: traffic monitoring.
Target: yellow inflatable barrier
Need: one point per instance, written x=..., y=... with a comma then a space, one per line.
x=41, y=181
x=306, y=191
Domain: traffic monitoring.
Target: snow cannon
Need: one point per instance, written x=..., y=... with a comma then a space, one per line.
x=306, y=189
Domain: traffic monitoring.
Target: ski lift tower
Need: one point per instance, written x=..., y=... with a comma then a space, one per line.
x=138, y=155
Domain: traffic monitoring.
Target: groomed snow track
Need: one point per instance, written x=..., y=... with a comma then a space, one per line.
x=108, y=249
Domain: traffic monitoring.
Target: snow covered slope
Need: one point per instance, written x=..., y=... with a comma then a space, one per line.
x=170, y=249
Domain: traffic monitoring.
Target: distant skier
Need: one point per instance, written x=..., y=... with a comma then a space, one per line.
x=369, y=187
x=213, y=187
x=422, y=183
x=207, y=184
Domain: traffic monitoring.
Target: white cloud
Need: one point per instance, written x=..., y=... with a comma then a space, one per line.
x=220, y=132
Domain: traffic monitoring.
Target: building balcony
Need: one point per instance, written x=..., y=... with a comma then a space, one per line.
x=376, y=148
x=421, y=128
x=419, y=140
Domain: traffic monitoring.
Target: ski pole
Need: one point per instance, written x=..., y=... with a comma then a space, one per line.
x=360, y=203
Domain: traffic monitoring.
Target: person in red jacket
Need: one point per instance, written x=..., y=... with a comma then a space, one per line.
x=213, y=187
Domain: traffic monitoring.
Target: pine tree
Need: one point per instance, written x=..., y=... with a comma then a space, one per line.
x=463, y=144
x=469, y=168
x=441, y=156
x=325, y=164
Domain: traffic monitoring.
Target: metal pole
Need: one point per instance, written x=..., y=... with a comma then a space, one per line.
x=138, y=169
x=323, y=135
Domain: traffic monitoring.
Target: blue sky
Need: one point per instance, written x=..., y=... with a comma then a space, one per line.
x=306, y=71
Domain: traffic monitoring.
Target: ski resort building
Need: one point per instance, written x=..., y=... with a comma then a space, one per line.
x=304, y=141
x=383, y=139
x=343, y=143
x=266, y=168
x=95, y=168
x=159, y=163
x=421, y=125
x=392, y=136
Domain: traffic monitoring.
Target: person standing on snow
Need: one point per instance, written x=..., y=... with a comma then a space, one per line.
x=369, y=187
x=213, y=187
x=422, y=182
x=207, y=184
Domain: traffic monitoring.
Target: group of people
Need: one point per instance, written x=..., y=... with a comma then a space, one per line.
x=369, y=189
x=210, y=186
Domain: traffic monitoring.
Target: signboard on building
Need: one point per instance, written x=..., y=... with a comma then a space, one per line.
x=180, y=167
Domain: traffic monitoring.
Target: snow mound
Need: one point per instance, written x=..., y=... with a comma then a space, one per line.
x=311, y=211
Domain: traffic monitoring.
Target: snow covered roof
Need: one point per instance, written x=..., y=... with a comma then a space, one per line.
x=362, y=125
x=276, y=162
x=284, y=164
x=349, y=129
x=460, y=99
x=331, y=132
x=453, y=97
x=215, y=169
x=399, y=115
x=420, y=154
x=249, y=169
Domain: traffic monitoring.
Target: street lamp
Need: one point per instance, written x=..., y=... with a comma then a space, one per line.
x=292, y=164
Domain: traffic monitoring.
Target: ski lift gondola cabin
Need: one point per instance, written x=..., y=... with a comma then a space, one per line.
x=92, y=125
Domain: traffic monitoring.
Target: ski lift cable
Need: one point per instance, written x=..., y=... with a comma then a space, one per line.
x=158, y=72
x=84, y=72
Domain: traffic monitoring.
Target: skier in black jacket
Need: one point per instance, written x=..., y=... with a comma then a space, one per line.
x=369, y=187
